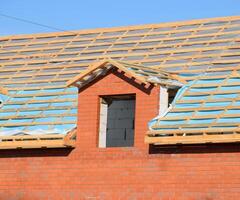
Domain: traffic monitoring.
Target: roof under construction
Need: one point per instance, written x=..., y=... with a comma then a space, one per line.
x=206, y=107
x=35, y=69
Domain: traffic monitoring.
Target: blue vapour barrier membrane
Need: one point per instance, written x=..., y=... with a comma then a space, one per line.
x=206, y=81
x=175, y=114
x=202, y=89
x=223, y=96
x=217, y=107
x=209, y=112
x=200, y=97
x=39, y=111
x=234, y=79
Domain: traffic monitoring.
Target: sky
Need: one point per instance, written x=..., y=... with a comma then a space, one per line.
x=78, y=14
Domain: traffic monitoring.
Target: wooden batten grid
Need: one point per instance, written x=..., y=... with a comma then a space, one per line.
x=212, y=132
x=36, y=69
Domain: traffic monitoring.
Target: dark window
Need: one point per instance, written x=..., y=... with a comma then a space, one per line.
x=117, y=119
x=171, y=95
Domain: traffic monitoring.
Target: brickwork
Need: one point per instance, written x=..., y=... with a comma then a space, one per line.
x=200, y=172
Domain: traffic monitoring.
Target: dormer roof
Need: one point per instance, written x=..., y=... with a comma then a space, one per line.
x=142, y=74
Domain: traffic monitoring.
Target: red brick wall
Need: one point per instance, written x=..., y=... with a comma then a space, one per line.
x=185, y=173
x=88, y=114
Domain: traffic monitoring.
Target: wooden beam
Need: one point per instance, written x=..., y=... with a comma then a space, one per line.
x=33, y=142
x=90, y=69
x=103, y=63
x=180, y=126
x=130, y=73
x=197, y=139
x=70, y=138
x=193, y=131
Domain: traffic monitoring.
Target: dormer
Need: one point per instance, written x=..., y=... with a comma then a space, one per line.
x=112, y=95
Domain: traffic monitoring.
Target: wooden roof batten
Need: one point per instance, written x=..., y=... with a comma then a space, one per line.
x=193, y=136
x=203, y=138
x=140, y=73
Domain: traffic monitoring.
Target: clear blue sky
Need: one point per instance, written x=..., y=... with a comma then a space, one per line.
x=85, y=14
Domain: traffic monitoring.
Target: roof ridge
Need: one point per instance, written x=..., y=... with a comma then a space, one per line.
x=119, y=28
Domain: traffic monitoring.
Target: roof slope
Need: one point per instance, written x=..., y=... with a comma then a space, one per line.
x=181, y=46
x=39, y=111
x=34, y=68
x=210, y=104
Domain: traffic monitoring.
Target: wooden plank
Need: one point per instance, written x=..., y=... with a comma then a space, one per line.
x=124, y=69
x=209, y=116
x=200, y=139
x=211, y=70
x=193, y=131
x=70, y=138
x=20, y=74
x=198, y=93
x=44, y=94
x=205, y=85
x=32, y=80
x=61, y=121
x=210, y=100
x=35, y=101
x=90, y=69
x=204, y=108
x=36, y=108
x=32, y=142
x=180, y=126
x=29, y=116
x=40, y=87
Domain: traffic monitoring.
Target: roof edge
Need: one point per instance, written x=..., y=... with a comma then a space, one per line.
x=119, y=28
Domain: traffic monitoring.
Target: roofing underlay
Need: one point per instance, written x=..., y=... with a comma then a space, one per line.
x=34, y=68
x=207, y=105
